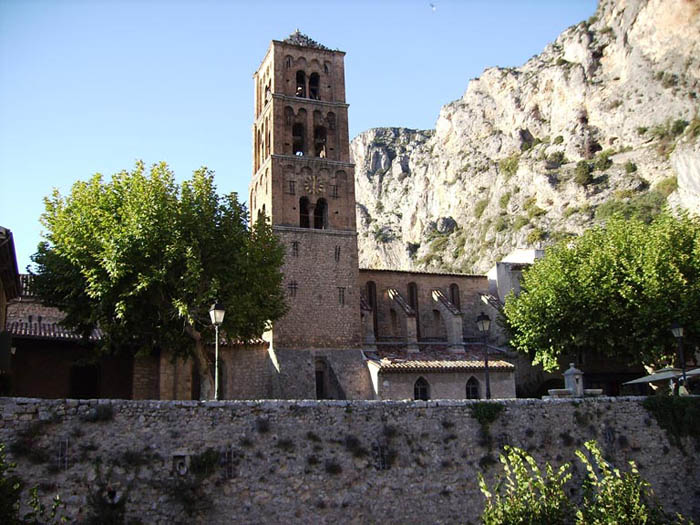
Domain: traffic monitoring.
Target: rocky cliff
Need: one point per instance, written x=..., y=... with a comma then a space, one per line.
x=605, y=119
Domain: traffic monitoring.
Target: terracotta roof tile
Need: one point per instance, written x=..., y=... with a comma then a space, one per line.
x=398, y=361
x=48, y=331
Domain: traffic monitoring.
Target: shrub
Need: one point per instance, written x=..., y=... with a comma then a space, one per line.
x=520, y=221
x=568, y=212
x=693, y=128
x=667, y=186
x=582, y=173
x=558, y=140
x=486, y=413
x=479, y=208
x=603, y=160
x=535, y=236
x=524, y=494
x=509, y=165
x=500, y=224
x=678, y=416
x=610, y=496
x=557, y=158
x=630, y=167
x=504, y=200
x=643, y=207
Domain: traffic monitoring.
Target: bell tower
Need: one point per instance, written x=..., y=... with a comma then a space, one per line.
x=303, y=181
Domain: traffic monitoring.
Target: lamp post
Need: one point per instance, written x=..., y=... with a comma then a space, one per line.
x=677, y=331
x=216, y=312
x=483, y=323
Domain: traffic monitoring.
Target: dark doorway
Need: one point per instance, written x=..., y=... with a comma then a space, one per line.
x=85, y=382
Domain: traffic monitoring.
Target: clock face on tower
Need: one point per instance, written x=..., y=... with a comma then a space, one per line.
x=313, y=184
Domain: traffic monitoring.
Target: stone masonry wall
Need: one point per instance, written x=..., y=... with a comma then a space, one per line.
x=318, y=462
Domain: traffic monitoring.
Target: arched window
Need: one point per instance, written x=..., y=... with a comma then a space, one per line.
x=454, y=295
x=421, y=390
x=372, y=300
x=301, y=84
x=288, y=61
x=314, y=86
x=321, y=214
x=413, y=303
x=473, y=389
x=320, y=142
x=304, y=213
x=298, y=139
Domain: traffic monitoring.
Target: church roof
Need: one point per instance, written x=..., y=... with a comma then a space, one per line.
x=300, y=39
x=434, y=360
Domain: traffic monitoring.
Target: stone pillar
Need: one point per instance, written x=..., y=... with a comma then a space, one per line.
x=573, y=381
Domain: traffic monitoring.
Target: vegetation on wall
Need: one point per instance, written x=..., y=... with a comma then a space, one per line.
x=526, y=495
x=143, y=258
x=617, y=288
x=678, y=416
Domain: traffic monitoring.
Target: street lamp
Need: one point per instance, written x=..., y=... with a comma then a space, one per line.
x=216, y=312
x=483, y=323
x=677, y=331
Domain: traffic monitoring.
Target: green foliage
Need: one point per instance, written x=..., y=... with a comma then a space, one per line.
x=611, y=496
x=582, y=173
x=10, y=490
x=641, y=130
x=530, y=206
x=535, y=236
x=500, y=224
x=616, y=289
x=525, y=495
x=486, y=413
x=643, y=207
x=205, y=463
x=558, y=140
x=693, y=129
x=144, y=257
x=603, y=161
x=504, y=200
x=568, y=212
x=667, y=186
x=678, y=416
x=630, y=167
x=479, y=207
x=520, y=221
x=557, y=158
x=509, y=165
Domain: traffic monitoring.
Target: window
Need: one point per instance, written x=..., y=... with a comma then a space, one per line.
x=314, y=87
x=473, y=389
x=295, y=248
x=301, y=84
x=292, y=289
x=454, y=295
x=304, y=213
x=288, y=62
x=334, y=191
x=413, y=303
x=320, y=142
x=337, y=253
x=321, y=214
x=421, y=390
x=298, y=139
x=372, y=300
x=292, y=187
x=321, y=390
x=341, y=295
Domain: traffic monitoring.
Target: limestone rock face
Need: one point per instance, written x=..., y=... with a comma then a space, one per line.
x=605, y=119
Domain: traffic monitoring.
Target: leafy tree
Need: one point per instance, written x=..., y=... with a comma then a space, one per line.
x=143, y=258
x=615, y=290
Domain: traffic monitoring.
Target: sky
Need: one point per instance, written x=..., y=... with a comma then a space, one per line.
x=90, y=86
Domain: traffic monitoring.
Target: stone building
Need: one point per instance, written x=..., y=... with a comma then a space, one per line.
x=349, y=333
x=348, y=327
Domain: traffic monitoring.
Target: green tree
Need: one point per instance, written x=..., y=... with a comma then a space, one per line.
x=142, y=258
x=615, y=290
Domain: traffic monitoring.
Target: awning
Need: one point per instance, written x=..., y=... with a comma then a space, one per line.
x=660, y=375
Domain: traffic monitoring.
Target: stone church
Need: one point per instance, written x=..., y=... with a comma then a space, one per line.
x=350, y=332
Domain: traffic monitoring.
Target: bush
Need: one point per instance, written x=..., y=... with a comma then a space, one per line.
x=630, y=167
x=603, y=160
x=558, y=140
x=504, y=200
x=667, y=186
x=500, y=224
x=582, y=174
x=526, y=495
x=520, y=221
x=643, y=207
x=479, y=208
x=509, y=165
x=535, y=236
x=557, y=158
